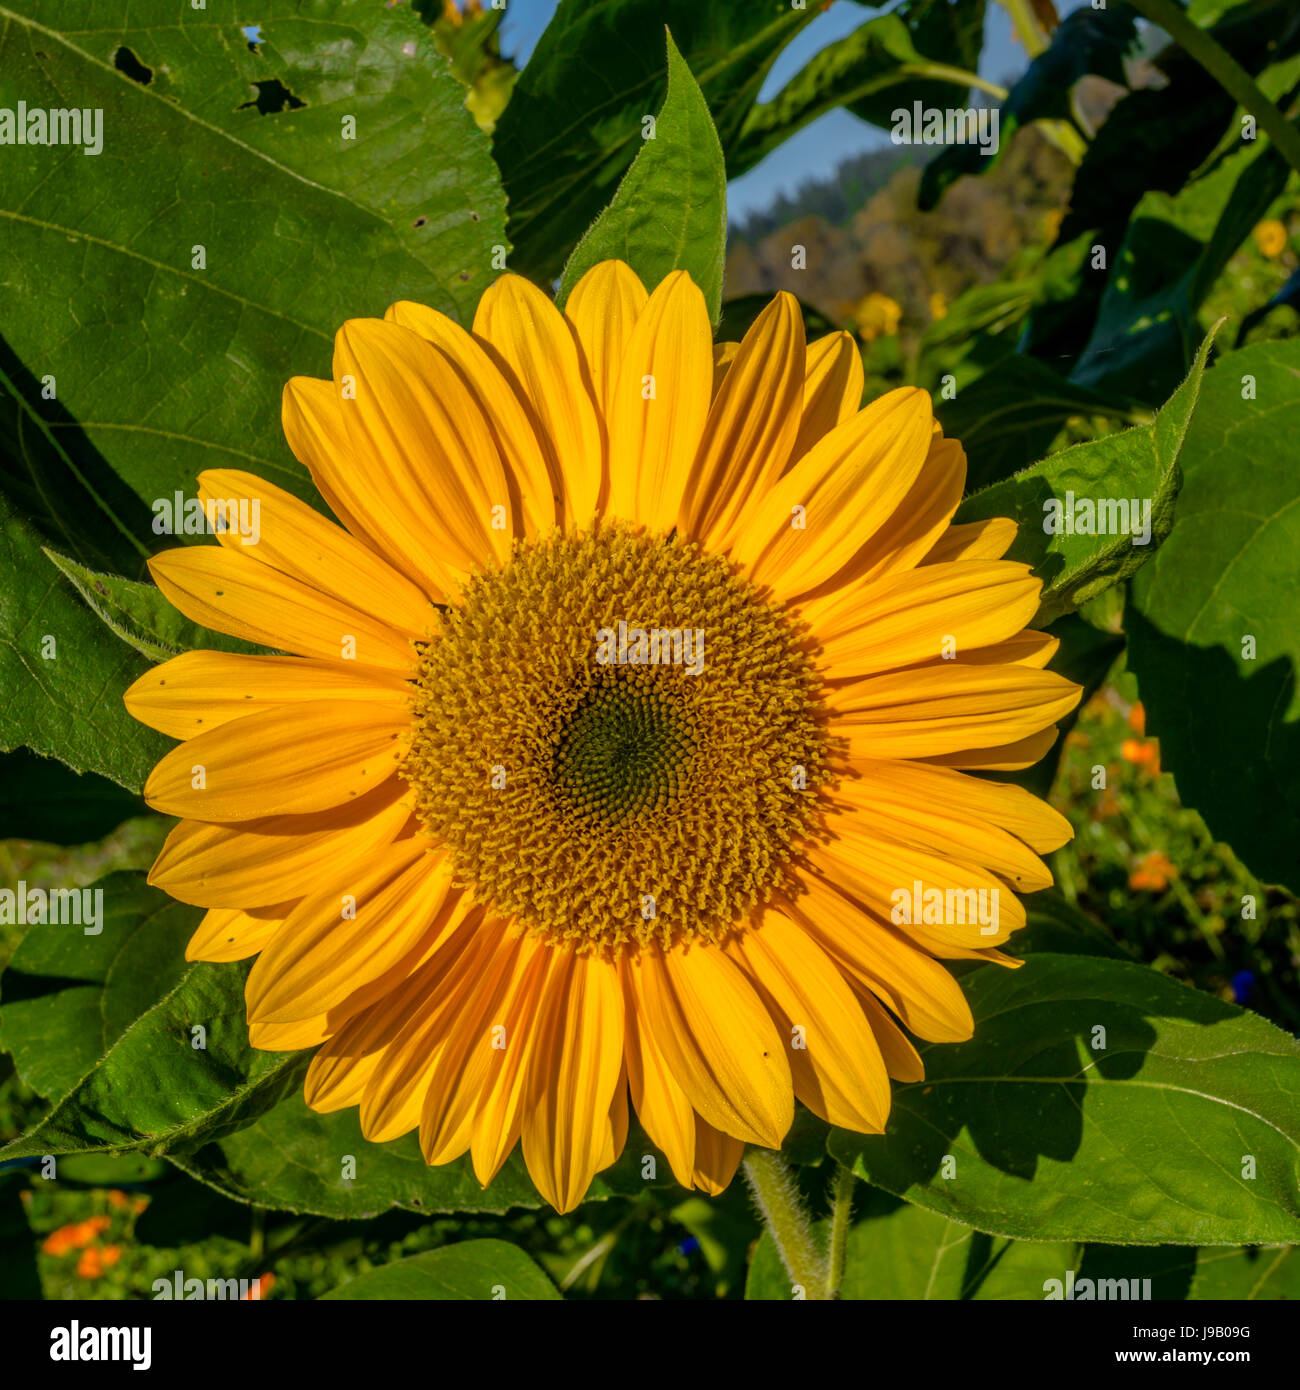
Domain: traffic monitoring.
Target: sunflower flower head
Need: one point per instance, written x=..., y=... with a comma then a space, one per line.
x=618, y=742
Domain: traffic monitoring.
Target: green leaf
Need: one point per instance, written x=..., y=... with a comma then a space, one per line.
x=573, y=125
x=897, y=1251
x=474, y=1269
x=1141, y=1140
x=141, y=616
x=1249, y=1274
x=872, y=70
x=1089, y=41
x=1139, y=465
x=1007, y=417
x=43, y=800
x=1229, y=723
x=68, y=996
x=1175, y=248
x=170, y=367
x=1052, y=924
x=291, y=1159
x=177, y=1070
x=670, y=211
x=63, y=672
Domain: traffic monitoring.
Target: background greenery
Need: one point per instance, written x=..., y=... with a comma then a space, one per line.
x=952, y=271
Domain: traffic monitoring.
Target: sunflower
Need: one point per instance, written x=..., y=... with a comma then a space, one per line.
x=600, y=743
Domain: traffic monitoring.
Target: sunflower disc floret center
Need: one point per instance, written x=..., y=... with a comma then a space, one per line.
x=609, y=791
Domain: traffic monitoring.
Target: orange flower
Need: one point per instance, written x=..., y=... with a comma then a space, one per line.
x=74, y=1235
x=264, y=1285
x=118, y=1199
x=1153, y=873
x=1137, y=718
x=1145, y=753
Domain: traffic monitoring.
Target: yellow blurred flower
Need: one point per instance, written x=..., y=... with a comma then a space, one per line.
x=938, y=305
x=1270, y=236
x=877, y=316
x=1052, y=220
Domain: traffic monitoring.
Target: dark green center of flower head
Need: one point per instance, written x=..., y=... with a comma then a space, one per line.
x=622, y=752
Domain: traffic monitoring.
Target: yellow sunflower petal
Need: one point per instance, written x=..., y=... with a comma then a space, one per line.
x=426, y=444
x=573, y=1071
x=266, y=861
x=918, y=989
x=603, y=307
x=953, y=794
x=659, y=405
x=724, y=354
x=882, y=808
x=296, y=540
x=973, y=540
x=717, y=1156
x=349, y=932
x=812, y=523
x=832, y=388
x=344, y=1068
x=287, y=761
x=486, y=1028
x=919, y=615
x=751, y=426
x=902, y=1061
x=516, y=440
x=838, y=1071
x=234, y=594
x=537, y=350
x=718, y=1040
x=1004, y=757
x=660, y=1103
x=202, y=690
x=884, y=873
x=229, y=933
x=499, y=1118
x=933, y=711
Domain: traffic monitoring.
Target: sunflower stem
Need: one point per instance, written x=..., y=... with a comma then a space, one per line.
x=841, y=1209
x=776, y=1192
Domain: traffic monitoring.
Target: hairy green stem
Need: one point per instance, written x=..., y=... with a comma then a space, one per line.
x=841, y=1210
x=772, y=1181
x=1226, y=71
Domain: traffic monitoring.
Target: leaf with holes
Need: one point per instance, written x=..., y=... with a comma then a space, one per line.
x=246, y=198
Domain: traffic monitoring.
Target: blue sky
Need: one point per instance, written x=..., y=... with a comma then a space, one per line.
x=817, y=149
